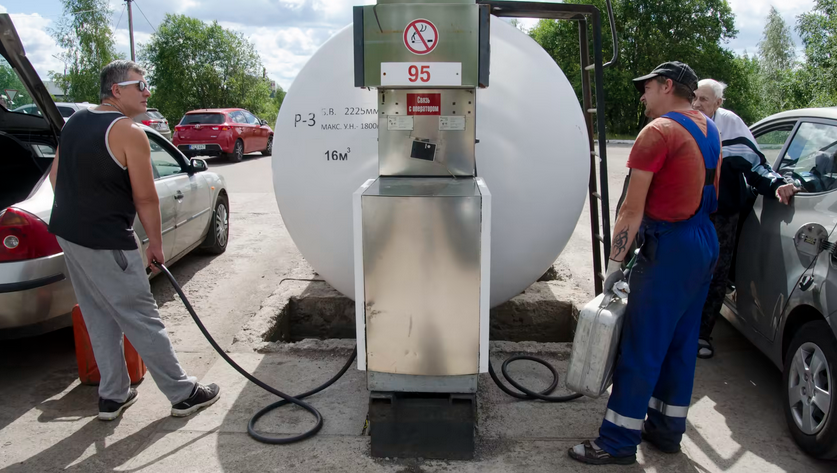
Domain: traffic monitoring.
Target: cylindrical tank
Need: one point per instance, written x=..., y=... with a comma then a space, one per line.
x=532, y=153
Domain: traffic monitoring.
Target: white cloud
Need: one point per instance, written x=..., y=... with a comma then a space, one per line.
x=39, y=45
x=3, y=9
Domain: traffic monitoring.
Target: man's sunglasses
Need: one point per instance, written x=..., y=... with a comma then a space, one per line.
x=141, y=84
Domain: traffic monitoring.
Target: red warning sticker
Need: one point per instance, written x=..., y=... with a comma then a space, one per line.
x=424, y=104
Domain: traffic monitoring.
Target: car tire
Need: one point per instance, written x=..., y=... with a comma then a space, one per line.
x=811, y=368
x=218, y=235
x=238, y=152
x=269, y=150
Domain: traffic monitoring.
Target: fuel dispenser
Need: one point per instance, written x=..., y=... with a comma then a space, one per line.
x=422, y=228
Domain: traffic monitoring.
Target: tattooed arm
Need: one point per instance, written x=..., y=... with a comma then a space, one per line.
x=630, y=214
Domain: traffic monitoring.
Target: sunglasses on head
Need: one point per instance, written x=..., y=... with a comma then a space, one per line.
x=141, y=84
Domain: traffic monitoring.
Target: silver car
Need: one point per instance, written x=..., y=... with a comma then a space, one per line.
x=67, y=109
x=35, y=292
x=786, y=273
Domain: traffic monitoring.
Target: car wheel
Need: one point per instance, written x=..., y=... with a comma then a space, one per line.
x=238, y=152
x=269, y=150
x=810, y=400
x=219, y=228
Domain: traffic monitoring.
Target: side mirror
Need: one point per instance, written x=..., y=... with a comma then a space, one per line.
x=198, y=165
x=263, y=122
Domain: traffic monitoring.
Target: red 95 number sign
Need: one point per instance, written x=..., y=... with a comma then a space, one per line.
x=411, y=74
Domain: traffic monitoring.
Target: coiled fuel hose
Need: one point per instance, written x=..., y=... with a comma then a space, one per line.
x=524, y=393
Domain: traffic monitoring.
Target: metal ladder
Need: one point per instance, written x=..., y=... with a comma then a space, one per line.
x=597, y=191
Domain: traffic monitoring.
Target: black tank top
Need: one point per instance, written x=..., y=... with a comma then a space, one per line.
x=94, y=204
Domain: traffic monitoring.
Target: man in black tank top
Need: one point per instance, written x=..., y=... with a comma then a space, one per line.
x=102, y=181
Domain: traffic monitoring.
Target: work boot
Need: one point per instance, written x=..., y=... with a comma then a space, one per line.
x=202, y=396
x=110, y=410
x=590, y=453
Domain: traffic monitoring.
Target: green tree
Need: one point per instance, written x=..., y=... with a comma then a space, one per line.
x=194, y=65
x=651, y=32
x=85, y=35
x=776, y=61
x=10, y=81
x=818, y=29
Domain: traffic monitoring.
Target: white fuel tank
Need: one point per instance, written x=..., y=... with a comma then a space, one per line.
x=532, y=153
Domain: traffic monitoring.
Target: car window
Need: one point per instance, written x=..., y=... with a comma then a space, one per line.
x=809, y=160
x=164, y=162
x=251, y=119
x=13, y=95
x=771, y=143
x=238, y=117
x=66, y=112
x=155, y=114
x=203, y=119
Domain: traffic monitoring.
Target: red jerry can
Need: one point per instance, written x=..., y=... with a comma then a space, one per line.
x=88, y=371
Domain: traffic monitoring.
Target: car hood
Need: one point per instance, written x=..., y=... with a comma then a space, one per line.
x=12, y=49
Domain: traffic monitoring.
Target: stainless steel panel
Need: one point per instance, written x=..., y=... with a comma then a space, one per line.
x=595, y=345
x=421, y=258
x=390, y=382
x=454, y=149
x=383, y=35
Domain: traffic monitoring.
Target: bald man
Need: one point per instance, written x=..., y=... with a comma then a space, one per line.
x=743, y=166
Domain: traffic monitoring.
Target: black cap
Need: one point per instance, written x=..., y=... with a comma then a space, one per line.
x=674, y=70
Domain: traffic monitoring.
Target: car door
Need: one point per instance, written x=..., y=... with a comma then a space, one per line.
x=259, y=132
x=189, y=192
x=245, y=130
x=168, y=213
x=769, y=263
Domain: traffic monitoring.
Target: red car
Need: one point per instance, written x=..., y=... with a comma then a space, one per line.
x=231, y=132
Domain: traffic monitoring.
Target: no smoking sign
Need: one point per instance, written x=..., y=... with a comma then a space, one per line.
x=421, y=37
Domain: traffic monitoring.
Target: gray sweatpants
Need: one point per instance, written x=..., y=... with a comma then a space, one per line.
x=113, y=293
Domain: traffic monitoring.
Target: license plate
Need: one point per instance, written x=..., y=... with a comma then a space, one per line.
x=197, y=147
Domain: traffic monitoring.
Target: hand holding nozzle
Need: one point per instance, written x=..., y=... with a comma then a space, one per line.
x=615, y=280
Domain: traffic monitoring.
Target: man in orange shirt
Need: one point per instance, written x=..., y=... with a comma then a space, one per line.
x=675, y=166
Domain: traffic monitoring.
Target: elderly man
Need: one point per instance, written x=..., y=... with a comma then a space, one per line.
x=743, y=166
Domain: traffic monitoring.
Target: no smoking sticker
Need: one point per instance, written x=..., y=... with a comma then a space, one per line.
x=421, y=37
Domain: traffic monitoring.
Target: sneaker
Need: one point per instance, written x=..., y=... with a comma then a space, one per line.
x=202, y=396
x=110, y=410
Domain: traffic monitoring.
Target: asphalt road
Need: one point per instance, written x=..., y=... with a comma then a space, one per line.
x=46, y=422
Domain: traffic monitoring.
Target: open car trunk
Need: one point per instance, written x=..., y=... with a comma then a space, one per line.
x=27, y=141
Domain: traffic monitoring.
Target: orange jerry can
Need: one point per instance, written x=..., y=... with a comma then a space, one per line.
x=88, y=371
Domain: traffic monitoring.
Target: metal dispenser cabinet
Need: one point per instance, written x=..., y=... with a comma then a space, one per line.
x=422, y=228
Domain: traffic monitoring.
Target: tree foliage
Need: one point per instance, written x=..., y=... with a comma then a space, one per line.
x=818, y=29
x=776, y=58
x=650, y=33
x=194, y=65
x=85, y=35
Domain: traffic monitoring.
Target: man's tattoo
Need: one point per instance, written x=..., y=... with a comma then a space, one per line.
x=620, y=243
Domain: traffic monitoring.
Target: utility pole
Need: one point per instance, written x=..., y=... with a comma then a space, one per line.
x=131, y=29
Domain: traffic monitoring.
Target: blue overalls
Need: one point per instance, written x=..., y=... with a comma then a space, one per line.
x=655, y=372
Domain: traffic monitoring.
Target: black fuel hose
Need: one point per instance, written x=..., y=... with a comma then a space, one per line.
x=286, y=399
x=527, y=394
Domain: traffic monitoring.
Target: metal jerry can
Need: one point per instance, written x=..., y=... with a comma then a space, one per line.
x=596, y=344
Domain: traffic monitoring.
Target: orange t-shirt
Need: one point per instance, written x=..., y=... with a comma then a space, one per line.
x=668, y=150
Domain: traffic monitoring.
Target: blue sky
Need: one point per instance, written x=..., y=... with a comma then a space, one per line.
x=287, y=32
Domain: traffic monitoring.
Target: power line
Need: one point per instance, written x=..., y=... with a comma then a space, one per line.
x=143, y=15
x=120, y=18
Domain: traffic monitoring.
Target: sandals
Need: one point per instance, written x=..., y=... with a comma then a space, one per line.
x=588, y=452
x=705, y=348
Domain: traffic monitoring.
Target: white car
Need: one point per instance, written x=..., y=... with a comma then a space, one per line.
x=35, y=291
